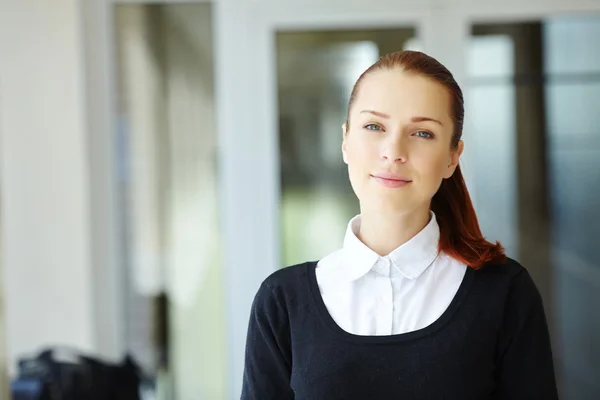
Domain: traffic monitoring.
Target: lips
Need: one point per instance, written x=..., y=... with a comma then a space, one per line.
x=390, y=180
x=392, y=177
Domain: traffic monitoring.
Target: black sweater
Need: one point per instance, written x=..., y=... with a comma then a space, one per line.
x=491, y=343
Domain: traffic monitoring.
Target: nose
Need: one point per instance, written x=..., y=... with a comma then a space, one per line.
x=394, y=150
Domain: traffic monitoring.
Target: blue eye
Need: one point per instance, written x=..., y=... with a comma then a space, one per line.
x=372, y=127
x=423, y=134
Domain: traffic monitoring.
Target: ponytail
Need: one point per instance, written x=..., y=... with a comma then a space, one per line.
x=460, y=234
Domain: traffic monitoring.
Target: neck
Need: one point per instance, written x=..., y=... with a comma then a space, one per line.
x=383, y=233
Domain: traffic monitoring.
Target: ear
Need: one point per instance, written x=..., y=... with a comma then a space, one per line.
x=454, y=159
x=344, y=143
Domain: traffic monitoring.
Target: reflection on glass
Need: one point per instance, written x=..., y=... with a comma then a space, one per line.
x=491, y=116
x=572, y=67
x=316, y=71
x=535, y=123
x=175, y=313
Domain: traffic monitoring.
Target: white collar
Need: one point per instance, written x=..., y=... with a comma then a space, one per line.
x=411, y=259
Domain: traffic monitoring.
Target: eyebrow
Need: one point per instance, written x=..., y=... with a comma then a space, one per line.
x=376, y=113
x=413, y=119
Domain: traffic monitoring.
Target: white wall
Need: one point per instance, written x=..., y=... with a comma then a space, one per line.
x=44, y=170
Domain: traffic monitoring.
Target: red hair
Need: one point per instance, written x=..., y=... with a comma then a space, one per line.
x=460, y=234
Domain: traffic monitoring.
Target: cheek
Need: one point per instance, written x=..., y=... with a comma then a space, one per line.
x=360, y=154
x=431, y=165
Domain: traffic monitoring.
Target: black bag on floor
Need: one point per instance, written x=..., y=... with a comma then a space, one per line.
x=76, y=377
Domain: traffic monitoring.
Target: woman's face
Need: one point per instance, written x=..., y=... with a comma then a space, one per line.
x=397, y=146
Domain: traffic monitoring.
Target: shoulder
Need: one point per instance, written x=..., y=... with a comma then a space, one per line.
x=285, y=284
x=288, y=276
x=521, y=308
x=508, y=272
x=513, y=279
x=509, y=269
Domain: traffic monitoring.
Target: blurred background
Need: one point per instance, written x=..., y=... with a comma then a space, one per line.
x=158, y=159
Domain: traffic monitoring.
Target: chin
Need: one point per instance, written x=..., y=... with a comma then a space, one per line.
x=388, y=206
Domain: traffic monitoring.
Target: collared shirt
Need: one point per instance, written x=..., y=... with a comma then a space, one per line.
x=407, y=290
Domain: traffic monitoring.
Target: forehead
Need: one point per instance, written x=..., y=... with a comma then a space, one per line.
x=400, y=94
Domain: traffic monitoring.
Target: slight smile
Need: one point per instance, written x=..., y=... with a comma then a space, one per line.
x=391, y=180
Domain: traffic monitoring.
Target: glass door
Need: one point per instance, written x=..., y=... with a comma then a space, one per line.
x=316, y=71
x=533, y=91
x=173, y=280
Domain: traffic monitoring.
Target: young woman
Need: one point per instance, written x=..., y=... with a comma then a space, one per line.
x=416, y=304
